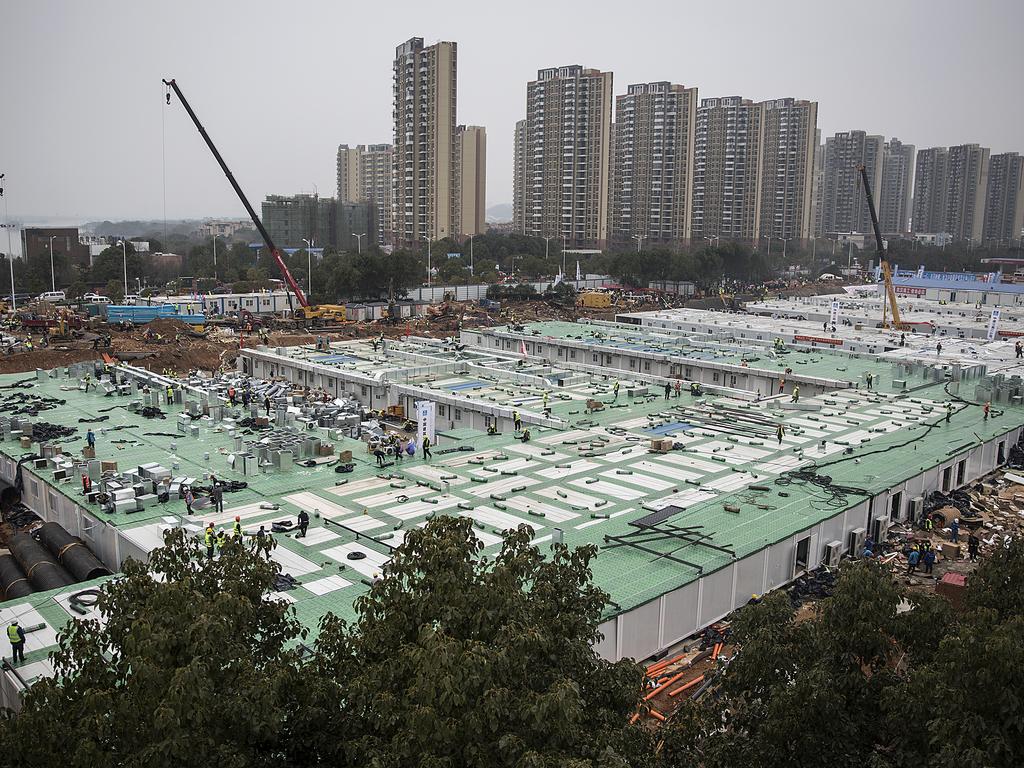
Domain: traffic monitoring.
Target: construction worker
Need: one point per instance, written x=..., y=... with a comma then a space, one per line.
x=678, y=387
x=246, y=397
x=426, y=447
x=170, y=394
x=526, y=436
x=303, y=524
x=222, y=541
x=986, y=408
x=780, y=432
x=17, y=637
x=210, y=540
x=545, y=400
x=668, y=390
x=236, y=529
x=695, y=389
x=615, y=389
x=517, y=422
x=782, y=384
x=90, y=438
x=231, y=395
x=796, y=395
x=492, y=428
x=266, y=404
x=949, y=411
x=217, y=496
x=869, y=379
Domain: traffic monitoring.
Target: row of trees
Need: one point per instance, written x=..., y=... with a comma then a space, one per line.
x=491, y=258
x=457, y=659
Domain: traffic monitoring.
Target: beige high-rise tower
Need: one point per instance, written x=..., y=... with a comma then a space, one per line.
x=365, y=175
x=426, y=145
x=471, y=180
x=1004, y=200
x=568, y=155
x=845, y=205
x=787, y=168
x=968, y=182
x=727, y=169
x=519, y=180
x=655, y=130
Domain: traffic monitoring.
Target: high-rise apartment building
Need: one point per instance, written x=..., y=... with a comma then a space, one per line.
x=727, y=167
x=652, y=190
x=931, y=190
x=365, y=175
x=1004, y=199
x=844, y=205
x=787, y=168
x=894, y=198
x=819, y=185
x=568, y=155
x=291, y=219
x=968, y=182
x=519, y=174
x=471, y=180
x=424, y=193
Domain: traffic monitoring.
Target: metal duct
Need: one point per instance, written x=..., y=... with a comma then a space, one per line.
x=71, y=552
x=43, y=571
x=13, y=581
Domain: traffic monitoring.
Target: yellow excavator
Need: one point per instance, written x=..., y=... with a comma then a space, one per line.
x=883, y=261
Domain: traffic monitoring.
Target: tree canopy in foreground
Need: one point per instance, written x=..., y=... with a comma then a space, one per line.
x=458, y=659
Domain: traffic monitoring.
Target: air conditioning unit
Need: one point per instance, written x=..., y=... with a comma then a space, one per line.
x=833, y=551
x=857, y=538
x=916, y=508
x=879, y=528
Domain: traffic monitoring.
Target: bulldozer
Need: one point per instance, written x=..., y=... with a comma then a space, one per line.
x=321, y=314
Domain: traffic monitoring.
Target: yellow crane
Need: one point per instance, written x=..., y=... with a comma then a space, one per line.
x=883, y=261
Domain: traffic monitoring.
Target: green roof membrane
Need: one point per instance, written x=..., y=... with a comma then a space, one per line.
x=591, y=480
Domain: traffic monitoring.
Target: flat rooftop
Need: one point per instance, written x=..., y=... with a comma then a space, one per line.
x=595, y=478
x=836, y=367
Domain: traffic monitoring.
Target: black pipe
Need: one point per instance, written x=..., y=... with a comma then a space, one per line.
x=13, y=581
x=71, y=552
x=43, y=571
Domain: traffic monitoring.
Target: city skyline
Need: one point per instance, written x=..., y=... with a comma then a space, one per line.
x=75, y=162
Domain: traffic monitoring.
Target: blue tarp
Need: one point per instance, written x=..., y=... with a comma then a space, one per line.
x=667, y=429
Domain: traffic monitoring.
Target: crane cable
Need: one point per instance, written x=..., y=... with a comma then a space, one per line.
x=163, y=151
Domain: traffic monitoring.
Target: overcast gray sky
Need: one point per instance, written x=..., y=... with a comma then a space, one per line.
x=279, y=85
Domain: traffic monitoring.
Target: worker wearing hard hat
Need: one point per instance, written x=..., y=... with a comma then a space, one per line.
x=17, y=637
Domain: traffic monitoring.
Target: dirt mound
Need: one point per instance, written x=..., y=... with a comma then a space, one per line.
x=168, y=326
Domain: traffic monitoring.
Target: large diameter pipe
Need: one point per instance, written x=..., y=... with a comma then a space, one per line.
x=71, y=552
x=13, y=581
x=43, y=571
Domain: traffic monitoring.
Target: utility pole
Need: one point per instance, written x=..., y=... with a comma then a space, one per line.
x=10, y=254
x=53, y=277
x=214, y=256
x=124, y=261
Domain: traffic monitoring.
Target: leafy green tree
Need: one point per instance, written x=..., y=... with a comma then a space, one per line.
x=191, y=668
x=115, y=291
x=457, y=659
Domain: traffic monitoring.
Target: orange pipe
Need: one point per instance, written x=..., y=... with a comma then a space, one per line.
x=656, y=715
x=718, y=649
x=663, y=686
x=684, y=686
x=634, y=718
x=660, y=665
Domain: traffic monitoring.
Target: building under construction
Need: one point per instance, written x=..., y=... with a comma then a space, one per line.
x=661, y=445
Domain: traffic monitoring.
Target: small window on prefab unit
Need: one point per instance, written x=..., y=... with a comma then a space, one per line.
x=961, y=472
x=947, y=477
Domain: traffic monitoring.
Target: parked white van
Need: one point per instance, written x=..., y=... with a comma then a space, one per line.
x=52, y=296
x=95, y=298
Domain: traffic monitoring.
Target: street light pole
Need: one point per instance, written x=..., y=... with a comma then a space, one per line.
x=53, y=277
x=547, y=240
x=428, y=262
x=124, y=261
x=639, y=239
x=215, y=257
x=10, y=255
x=359, y=241
x=309, y=262
x=471, y=272
x=563, y=253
